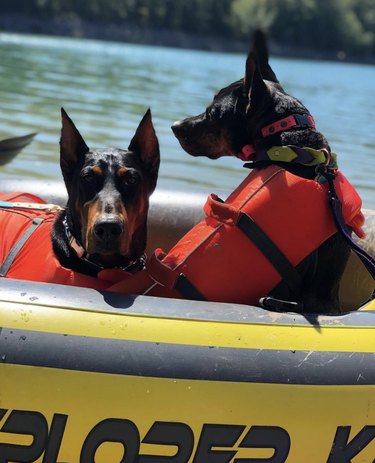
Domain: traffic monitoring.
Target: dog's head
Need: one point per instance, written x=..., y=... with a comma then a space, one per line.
x=239, y=111
x=108, y=192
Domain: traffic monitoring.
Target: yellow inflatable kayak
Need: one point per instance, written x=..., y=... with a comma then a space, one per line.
x=99, y=377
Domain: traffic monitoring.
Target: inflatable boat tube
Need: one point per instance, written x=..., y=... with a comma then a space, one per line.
x=88, y=376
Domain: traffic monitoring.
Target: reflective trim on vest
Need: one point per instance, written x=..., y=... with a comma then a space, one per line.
x=16, y=248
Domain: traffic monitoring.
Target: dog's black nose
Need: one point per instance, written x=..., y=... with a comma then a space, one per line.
x=178, y=127
x=107, y=229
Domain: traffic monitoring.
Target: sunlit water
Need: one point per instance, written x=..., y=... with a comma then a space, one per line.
x=106, y=87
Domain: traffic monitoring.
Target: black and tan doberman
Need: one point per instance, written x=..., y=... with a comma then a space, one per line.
x=104, y=223
x=108, y=199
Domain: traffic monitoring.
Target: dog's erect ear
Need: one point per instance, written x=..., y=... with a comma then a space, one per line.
x=72, y=145
x=249, y=72
x=145, y=144
x=260, y=52
x=255, y=86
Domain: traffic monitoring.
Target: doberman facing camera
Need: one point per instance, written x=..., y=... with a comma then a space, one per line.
x=104, y=223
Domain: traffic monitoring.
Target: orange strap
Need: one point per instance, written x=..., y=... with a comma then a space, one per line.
x=171, y=279
x=229, y=215
x=159, y=272
x=222, y=212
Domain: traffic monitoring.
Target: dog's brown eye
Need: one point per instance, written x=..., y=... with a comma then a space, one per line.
x=131, y=181
x=89, y=176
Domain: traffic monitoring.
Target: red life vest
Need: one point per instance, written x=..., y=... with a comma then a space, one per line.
x=36, y=260
x=222, y=263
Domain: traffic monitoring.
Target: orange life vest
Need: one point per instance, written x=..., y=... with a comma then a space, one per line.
x=217, y=260
x=35, y=260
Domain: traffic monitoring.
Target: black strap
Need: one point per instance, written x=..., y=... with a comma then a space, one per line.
x=18, y=246
x=186, y=288
x=269, y=249
x=368, y=261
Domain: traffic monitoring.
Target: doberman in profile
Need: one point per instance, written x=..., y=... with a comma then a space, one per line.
x=241, y=121
x=104, y=223
x=108, y=199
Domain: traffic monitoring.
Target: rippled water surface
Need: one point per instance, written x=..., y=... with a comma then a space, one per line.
x=106, y=87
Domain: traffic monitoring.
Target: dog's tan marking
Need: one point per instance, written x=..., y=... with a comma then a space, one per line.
x=125, y=242
x=92, y=212
x=121, y=171
x=97, y=170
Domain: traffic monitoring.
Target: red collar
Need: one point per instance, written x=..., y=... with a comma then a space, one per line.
x=295, y=120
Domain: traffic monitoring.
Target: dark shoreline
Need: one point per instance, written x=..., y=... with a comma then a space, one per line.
x=73, y=26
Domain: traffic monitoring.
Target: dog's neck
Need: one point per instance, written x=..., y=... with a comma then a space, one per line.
x=291, y=142
x=297, y=130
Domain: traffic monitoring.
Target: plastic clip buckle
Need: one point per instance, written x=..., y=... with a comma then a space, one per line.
x=302, y=120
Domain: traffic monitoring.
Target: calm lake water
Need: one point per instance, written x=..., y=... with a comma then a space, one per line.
x=106, y=87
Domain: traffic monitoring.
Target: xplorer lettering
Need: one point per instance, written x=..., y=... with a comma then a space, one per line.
x=268, y=437
x=217, y=435
x=35, y=425
x=124, y=432
x=344, y=451
x=179, y=435
x=215, y=443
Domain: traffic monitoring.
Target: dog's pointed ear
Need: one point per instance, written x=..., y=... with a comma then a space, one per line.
x=255, y=86
x=145, y=144
x=72, y=145
x=260, y=51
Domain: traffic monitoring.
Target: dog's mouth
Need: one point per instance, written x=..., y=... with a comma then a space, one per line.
x=200, y=151
x=187, y=135
x=113, y=260
x=214, y=155
x=104, y=249
x=203, y=140
x=187, y=144
x=191, y=147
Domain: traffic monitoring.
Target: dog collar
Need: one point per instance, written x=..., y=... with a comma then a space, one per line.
x=305, y=156
x=247, y=152
x=295, y=154
x=295, y=120
x=72, y=240
x=282, y=125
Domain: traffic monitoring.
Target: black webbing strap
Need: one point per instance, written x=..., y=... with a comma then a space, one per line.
x=334, y=201
x=18, y=246
x=269, y=249
x=186, y=288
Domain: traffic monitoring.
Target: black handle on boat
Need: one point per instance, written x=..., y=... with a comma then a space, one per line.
x=271, y=303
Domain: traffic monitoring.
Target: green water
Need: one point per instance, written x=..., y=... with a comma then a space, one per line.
x=106, y=87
